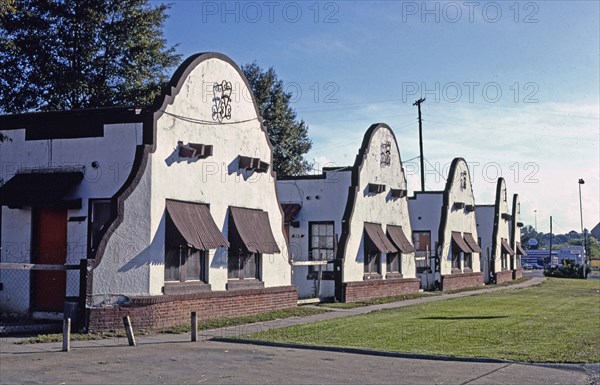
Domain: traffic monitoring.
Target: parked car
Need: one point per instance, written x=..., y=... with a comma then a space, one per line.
x=527, y=266
x=537, y=267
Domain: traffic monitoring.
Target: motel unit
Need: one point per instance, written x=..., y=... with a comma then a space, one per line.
x=348, y=227
x=444, y=232
x=154, y=211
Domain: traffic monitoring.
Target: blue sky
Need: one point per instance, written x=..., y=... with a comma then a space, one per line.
x=512, y=87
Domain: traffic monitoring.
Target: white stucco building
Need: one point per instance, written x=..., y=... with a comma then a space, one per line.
x=355, y=219
x=493, y=225
x=445, y=234
x=169, y=203
x=515, y=238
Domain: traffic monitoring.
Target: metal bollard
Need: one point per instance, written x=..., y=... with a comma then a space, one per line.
x=66, y=345
x=194, y=326
x=129, y=331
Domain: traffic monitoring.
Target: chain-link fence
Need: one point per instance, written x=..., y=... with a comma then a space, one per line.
x=41, y=291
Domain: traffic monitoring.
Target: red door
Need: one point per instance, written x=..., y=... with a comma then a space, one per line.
x=50, y=247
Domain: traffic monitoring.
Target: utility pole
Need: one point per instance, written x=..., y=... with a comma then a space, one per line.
x=550, y=262
x=581, y=181
x=535, y=214
x=418, y=104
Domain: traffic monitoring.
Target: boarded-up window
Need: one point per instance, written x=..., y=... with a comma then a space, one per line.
x=321, y=243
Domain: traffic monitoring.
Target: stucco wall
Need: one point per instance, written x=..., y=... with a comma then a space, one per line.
x=322, y=200
x=426, y=212
x=377, y=208
x=114, y=152
x=485, y=228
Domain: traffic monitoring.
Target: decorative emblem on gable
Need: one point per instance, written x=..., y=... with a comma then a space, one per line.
x=386, y=149
x=221, y=108
x=463, y=180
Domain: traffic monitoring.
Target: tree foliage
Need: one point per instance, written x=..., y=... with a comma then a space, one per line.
x=67, y=54
x=288, y=135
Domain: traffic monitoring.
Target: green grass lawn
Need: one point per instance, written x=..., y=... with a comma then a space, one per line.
x=556, y=321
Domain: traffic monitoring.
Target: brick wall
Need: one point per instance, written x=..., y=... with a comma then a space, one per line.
x=518, y=273
x=156, y=312
x=460, y=281
x=363, y=290
x=504, y=276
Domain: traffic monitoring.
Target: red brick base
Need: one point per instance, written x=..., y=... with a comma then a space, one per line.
x=518, y=273
x=156, y=312
x=460, y=281
x=363, y=290
x=504, y=276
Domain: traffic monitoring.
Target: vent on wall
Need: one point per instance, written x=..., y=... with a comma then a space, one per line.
x=459, y=205
x=376, y=188
x=254, y=164
x=506, y=216
x=470, y=208
x=519, y=224
x=194, y=150
x=397, y=193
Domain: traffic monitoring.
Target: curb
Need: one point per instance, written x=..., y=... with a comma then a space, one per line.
x=369, y=352
x=579, y=367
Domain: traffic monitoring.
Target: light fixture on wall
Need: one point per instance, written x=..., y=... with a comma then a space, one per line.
x=95, y=164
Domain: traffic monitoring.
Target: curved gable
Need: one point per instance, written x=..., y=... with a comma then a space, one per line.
x=378, y=163
x=458, y=210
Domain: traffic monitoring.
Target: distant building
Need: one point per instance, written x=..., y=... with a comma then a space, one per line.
x=596, y=231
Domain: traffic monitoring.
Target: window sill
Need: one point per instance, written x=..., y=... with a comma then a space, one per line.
x=244, y=284
x=372, y=276
x=455, y=271
x=467, y=270
x=394, y=275
x=175, y=288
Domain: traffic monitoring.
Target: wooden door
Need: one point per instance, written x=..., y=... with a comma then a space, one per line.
x=50, y=247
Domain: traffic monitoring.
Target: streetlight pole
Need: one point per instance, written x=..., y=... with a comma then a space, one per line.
x=581, y=181
x=535, y=214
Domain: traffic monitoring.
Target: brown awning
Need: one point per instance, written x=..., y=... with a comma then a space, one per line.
x=39, y=189
x=289, y=211
x=375, y=233
x=196, y=225
x=471, y=242
x=254, y=230
x=520, y=250
x=460, y=242
x=506, y=247
x=399, y=239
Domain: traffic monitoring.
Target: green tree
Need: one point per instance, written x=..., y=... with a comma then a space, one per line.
x=67, y=54
x=288, y=135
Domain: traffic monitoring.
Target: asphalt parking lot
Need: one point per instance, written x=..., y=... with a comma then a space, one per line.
x=171, y=359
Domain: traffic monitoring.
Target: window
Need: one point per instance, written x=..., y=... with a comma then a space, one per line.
x=372, y=265
x=422, y=242
x=99, y=215
x=455, y=258
x=182, y=262
x=503, y=258
x=393, y=263
x=321, y=243
x=242, y=265
x=468, y=260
